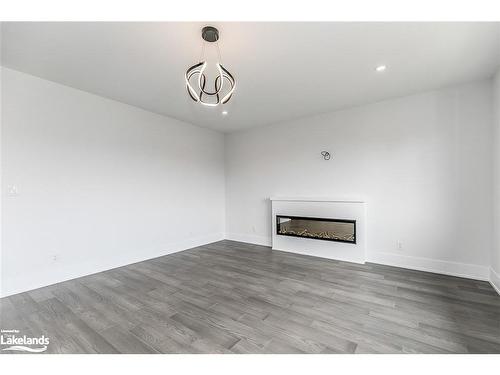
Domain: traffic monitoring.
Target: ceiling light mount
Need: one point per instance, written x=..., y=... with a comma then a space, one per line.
x=210, y=34
x=196, y=80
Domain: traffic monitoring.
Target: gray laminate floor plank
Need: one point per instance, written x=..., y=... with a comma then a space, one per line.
x=233, y=297
x=125, y=342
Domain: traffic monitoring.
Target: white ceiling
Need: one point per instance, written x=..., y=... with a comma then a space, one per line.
x=283, y=70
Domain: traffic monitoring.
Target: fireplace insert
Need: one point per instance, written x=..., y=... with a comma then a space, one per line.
x=339, y=230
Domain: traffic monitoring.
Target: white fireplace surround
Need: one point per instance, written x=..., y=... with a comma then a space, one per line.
x=321, y=208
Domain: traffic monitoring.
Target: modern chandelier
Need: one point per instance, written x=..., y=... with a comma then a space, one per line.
x=196, y=81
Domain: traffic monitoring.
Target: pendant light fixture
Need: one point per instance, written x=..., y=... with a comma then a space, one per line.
x=196, y=80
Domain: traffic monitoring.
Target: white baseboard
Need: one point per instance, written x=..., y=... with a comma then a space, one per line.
x=495, y=280
x=249, y=238
x=469, y=271
x=24, y=284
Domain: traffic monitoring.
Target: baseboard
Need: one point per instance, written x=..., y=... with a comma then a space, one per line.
x=495, y=280
x=249, y=238
x=469, y=271
x=42, y=280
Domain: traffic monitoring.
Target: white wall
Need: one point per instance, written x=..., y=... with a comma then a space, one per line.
x=422, y=163
x=495, y=250
x=100, y=184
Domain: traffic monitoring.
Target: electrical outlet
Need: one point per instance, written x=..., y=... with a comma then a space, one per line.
x=399, y=246
x=12, y=191
x=55, y=257
x=253, y=229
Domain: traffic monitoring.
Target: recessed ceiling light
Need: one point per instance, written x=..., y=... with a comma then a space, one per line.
x=381, y=68
x=224, y=113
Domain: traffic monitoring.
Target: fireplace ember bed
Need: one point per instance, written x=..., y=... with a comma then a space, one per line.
x=338, y=230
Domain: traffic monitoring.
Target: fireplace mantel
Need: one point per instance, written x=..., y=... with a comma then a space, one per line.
x=341, y=209
x=317, y=199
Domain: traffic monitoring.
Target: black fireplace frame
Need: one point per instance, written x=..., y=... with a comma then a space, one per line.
x=316, y=219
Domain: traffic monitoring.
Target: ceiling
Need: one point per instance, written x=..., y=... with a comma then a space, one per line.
x=283, y=71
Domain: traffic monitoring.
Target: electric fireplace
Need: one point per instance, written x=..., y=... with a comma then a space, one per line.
x=338, y=230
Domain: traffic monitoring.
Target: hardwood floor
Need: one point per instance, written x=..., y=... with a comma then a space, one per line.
x=231, y=297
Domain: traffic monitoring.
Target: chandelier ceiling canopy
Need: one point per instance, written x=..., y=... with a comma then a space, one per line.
x=197, y=82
